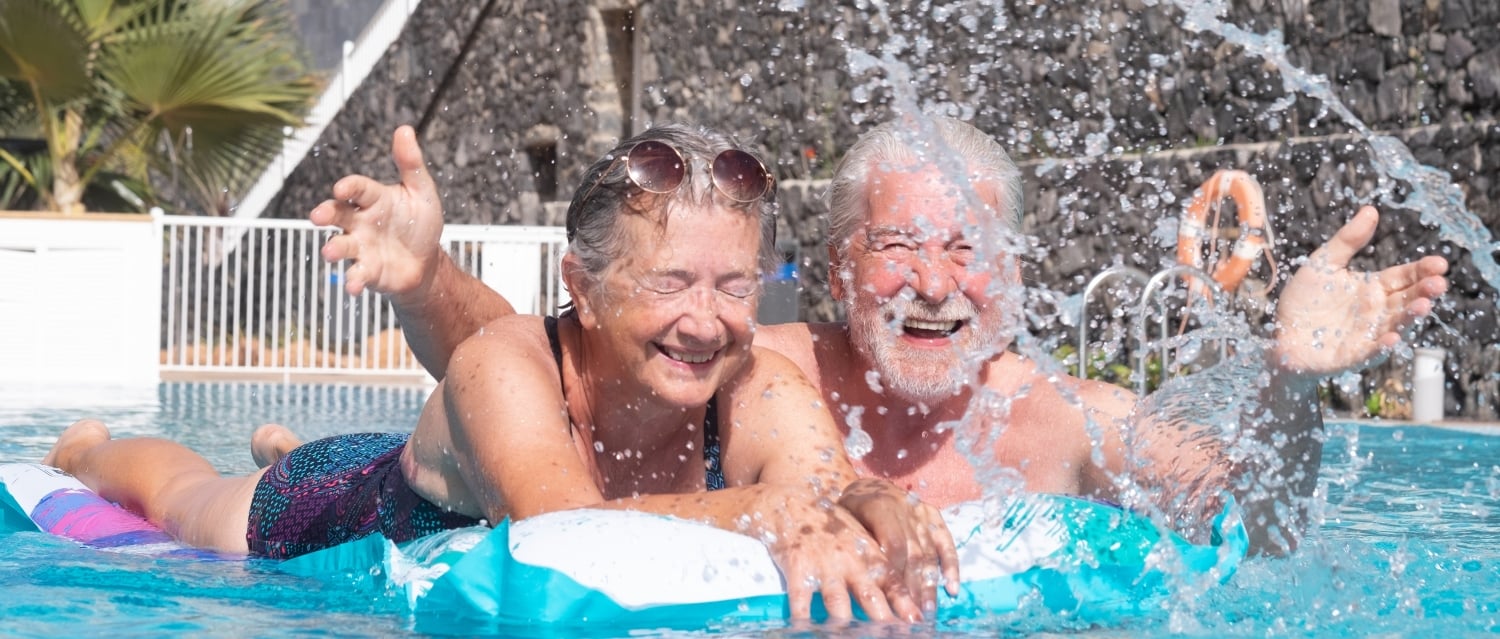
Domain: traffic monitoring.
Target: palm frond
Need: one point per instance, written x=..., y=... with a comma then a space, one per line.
x=16, y=190
x=41, y=44
x=17, y=111
x=189, y=89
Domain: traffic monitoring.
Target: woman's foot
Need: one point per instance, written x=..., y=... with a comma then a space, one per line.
x=271, y=442
x=81, y=436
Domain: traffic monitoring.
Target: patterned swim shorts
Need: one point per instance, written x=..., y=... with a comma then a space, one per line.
x=340, y=489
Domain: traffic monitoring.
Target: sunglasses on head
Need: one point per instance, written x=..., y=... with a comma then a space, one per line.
x=658, y=167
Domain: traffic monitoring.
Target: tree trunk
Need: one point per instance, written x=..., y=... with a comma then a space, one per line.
x=67, y=189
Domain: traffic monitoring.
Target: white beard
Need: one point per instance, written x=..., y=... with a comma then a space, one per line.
x=926, y=376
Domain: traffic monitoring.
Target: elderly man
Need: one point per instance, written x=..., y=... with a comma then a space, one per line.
x=922, y=225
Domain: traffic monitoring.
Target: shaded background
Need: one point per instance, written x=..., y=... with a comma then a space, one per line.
x=1114, y=110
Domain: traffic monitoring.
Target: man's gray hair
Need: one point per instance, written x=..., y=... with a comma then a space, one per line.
x=950, y=144
x=594, y=234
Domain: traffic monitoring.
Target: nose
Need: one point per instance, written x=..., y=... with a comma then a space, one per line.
x=935, y=277
x=700, y=321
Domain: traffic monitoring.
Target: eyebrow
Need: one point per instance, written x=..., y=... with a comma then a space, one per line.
x=895, y=231
x=884, y=231
x=689, y=276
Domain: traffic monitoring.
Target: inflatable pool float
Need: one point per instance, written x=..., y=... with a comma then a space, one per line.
x=622, y=569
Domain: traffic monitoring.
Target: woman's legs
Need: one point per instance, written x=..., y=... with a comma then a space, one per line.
x=271, y=442
x=164, y=481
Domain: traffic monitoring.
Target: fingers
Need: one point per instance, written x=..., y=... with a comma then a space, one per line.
x=914, y=560
x=798, y=596
x=354, y=192
x=880, y=594
x=1412, y=288
x=1432, y=267
x=408, y=157
x=897, y=603
x=947, y=551
x=838, y=605
x=932, y=558
x=1354, y=235
x=357, y=277
x=324, y=213
x=340, y=247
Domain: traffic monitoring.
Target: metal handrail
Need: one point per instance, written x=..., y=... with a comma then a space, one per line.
x=1130, y=272
x=1151, y=285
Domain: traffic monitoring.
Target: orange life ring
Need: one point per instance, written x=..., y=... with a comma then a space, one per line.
x=1255, y=235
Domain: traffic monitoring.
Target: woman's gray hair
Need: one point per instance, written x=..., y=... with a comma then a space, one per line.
x=937, y=141
x=596, y=238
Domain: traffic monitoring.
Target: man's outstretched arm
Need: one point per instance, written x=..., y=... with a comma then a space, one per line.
x=1329, y=320
x=1197, y=438
x=391, y=237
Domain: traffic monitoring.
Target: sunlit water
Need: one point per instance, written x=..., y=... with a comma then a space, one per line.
x=1411, y=541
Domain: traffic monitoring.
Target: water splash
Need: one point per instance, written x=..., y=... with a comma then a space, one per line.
x=1431, y=192
x=858, y=442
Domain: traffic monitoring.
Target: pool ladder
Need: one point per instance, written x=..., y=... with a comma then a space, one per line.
x=1151, y=287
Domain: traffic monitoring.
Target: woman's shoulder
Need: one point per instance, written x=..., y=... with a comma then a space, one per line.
x=766, y=375
x=767, y=361
x=512, y=335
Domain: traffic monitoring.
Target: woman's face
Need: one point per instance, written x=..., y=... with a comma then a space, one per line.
x=678, y=308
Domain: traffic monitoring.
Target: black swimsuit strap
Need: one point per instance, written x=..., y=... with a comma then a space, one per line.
x=550, y=323
x=714, y=478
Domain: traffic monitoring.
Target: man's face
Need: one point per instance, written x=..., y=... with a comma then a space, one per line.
x=917, y=282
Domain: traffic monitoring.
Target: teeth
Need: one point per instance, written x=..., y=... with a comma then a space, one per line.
x=689, y=358
x=924, y=325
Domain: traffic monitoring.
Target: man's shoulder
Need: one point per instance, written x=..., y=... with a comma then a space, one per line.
x=818, y=349
x=1016, y=375
x=798, y=340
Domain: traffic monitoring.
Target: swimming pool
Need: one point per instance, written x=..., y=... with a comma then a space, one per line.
x=1411, y=541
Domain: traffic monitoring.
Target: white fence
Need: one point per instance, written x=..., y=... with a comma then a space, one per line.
x=79, y=299
x=252, y=298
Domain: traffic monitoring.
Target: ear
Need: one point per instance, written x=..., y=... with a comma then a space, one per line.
x=1010, y=269
x=580, y=287
x=835, y=278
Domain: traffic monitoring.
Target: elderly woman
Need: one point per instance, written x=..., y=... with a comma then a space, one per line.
x=646, y=395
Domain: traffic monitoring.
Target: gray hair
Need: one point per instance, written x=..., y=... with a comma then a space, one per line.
x=593, y=232
x=927, y=140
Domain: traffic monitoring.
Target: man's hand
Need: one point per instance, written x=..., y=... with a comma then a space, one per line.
x=391, y=231
x=911, y=533
x=1331, y=319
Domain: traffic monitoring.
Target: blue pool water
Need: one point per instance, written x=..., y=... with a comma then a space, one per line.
x=1410, y=543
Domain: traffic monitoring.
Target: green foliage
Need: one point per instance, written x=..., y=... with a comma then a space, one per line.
x=121, y=90
x=1373, y=403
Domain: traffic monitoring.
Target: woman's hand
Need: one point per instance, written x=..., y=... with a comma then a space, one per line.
x=911, y=533
x=391, y=231
x=822, y=548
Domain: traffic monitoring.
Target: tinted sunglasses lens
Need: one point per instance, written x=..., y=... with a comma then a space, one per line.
x=655, y=167
x=740, y=176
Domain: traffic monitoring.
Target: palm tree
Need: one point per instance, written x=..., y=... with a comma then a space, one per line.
x=100, y=94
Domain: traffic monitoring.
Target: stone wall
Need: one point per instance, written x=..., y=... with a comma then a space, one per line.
x=1115, y=111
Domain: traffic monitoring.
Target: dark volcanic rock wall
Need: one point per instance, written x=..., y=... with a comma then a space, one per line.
x=1115, y=111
